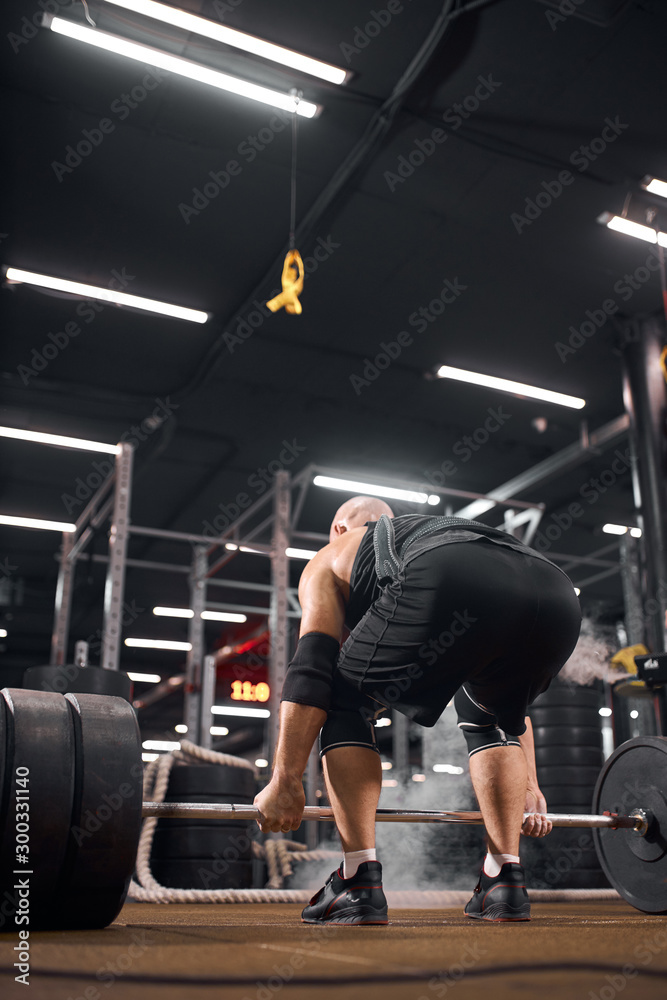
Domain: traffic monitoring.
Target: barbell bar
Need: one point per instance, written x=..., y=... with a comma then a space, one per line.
x=638, y=821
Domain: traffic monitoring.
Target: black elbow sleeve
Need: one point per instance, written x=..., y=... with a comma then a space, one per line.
x=310, y=674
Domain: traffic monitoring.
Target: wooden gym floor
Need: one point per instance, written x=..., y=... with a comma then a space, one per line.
x=260, y=951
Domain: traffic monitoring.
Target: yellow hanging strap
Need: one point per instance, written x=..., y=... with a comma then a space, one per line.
x=293, y=269
x=292, y=282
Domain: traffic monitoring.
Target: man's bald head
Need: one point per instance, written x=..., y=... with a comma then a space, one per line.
x=356, y=512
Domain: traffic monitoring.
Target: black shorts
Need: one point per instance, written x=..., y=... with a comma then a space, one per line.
x=503, y=620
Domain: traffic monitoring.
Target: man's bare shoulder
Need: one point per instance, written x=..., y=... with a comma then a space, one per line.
x=336, y=558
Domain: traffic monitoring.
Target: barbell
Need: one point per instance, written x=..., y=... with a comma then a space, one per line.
x=71, y=783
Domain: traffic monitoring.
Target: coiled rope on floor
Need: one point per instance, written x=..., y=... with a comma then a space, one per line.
x=278, y=854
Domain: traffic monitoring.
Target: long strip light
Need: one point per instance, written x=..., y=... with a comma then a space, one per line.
x=59, y=439
x=15, y=274
x=507, y=385
x=300, y=553
x=144, y=678
x=211, y=616
x=235, y=39
x=630, y=228
x=158, y=644
x=655, y=186
x=350, y=486
x=36, y=522
x=621, y=529
x=252, y=713
x=181, y=67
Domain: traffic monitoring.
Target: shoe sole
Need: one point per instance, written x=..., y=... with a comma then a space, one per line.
x=350, y=922
x=497, y=920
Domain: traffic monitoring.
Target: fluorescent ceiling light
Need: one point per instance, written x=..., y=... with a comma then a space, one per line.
x=655, y=186
x=158, y=644
x=161, y=745
x=181, y=728
x=621, y=529
x=3, y=633
x=260, y=762
x=210, y=616
x=36, y=522
x=219, y=731
x=300, y=553
x=15, y=274
x=235, y=39
x=447, y=769
x=389, y=783
x=419, y=777
x=182, y=67
x=60, y=440
x=634, y=714
x=350, y=486
x=478, y=507
x=379, y=723
x=577, y=591
x=506, y=385
x=629, y=228
x=148, y=757
x=253, y=713
x=604, y=712
x=223, y=616
x=386, y=765
x=144, y=678
x=231, y=546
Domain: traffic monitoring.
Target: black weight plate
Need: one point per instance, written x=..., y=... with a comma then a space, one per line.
x=88, y=680
x=224, y=782
x=635, y=777
x=570, y=776
x=569, y=756
x=37, y=736
x=106, y=820
x=589, y=736
x=204, y=842
x=571, y=794
x=203, y=873
x=566, y=717
x=562, y=695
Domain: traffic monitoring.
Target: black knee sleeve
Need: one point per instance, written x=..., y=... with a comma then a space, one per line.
x=345, y=728
x=479, y=726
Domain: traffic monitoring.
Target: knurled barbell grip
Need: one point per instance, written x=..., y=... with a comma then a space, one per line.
x=218, y=810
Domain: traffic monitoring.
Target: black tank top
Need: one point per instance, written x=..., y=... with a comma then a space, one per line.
x=364, y=586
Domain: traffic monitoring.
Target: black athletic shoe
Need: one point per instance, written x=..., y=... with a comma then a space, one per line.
x=501, y=898
x=356, y=900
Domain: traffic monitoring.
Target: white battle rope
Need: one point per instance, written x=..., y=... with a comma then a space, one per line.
x=279, y=855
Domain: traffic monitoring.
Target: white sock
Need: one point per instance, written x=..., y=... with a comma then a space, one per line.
x=352, y=860
x=494, y=862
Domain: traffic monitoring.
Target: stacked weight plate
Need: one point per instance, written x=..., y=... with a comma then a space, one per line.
x=205, y=854
x=71, y=782
x=569, y=757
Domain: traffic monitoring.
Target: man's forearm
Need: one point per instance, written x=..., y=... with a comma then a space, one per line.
x=528, y=746
x=299, y=726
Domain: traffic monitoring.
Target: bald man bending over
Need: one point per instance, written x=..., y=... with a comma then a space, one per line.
x=438, y=608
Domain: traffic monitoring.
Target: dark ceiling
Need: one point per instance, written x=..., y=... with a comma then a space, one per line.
x=387, y=245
